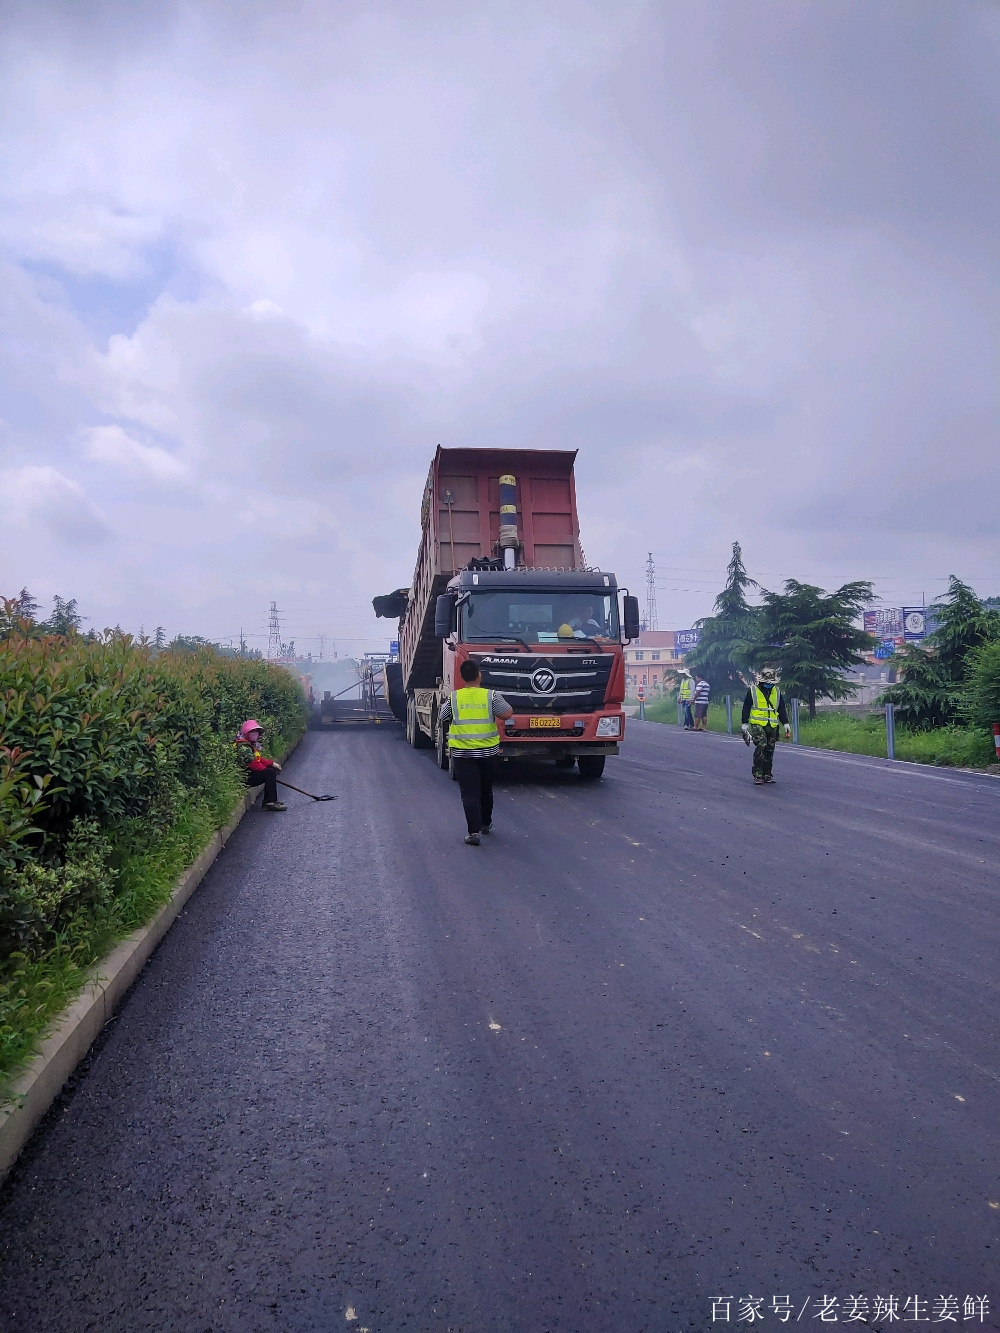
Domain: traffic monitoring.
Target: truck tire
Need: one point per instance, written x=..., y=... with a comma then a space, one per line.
x=591, y=766
x=413, y=733
x=442, y=746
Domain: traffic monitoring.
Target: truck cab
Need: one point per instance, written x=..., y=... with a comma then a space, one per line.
x=550, y=642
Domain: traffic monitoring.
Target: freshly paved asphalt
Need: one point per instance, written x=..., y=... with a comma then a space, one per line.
x=663, y=1038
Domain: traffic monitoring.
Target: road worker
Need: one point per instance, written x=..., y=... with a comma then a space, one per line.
x=686, y=694
x=259, y=771
x=763, y=710
x=702, y=691
x=473, y=740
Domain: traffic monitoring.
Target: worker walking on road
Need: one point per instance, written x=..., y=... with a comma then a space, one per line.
x=685, y=694
x=473, y=740
x=763, y=710
x=259, y=771
x=702, y=690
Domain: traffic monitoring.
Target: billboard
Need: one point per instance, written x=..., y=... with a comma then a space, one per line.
x=685, y=640
x=885, y=623
x=918, y=622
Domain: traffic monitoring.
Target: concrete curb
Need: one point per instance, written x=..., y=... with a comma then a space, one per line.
x=70, y=1039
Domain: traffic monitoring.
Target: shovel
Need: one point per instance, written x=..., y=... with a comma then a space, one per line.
x=304, y=793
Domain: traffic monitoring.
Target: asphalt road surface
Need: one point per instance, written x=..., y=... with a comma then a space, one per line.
x=664, y=1038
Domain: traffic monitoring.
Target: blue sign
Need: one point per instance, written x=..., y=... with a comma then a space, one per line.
x=685, y=640
x=394, y=647
x=887, y=648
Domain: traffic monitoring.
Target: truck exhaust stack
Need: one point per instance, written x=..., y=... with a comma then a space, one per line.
x=508, y=520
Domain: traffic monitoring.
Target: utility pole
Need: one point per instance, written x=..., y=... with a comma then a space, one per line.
x=322, y=644
x=273, y=634
x=651, y=620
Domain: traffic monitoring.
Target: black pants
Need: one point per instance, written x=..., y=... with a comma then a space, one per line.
x=269, y=778
x=475, y=781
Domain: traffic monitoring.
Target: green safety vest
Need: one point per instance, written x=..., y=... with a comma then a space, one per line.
x=764, y=711
x=472, y=724
x=687, y=689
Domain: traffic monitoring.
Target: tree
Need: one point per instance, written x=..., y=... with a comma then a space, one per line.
x=27, y=607
x=962, y=624
x=65, y=618
x=160, y=638
x=921, y=696
x=18, y=615
x=724, y=650
x=932, y=690
x=811, y=636
x=980, y=702
x=191, y=643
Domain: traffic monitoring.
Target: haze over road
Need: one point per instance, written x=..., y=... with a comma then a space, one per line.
x=662, y=1038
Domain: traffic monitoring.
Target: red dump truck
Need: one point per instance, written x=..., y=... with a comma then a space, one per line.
x=501, y=578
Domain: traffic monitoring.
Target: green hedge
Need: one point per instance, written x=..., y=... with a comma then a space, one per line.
x=116, y=766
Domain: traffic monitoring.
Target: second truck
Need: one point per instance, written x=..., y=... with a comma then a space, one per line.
x=501, y=578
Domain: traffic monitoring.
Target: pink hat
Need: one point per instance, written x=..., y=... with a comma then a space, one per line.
x=252, y=725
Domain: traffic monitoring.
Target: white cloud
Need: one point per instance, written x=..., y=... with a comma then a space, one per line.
x=147, y=462
x=42, y=497
x=666, y=236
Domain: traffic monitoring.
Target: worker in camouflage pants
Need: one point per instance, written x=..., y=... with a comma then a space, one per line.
x=763, y=710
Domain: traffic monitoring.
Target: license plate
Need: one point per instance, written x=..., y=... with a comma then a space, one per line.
x=539, y=722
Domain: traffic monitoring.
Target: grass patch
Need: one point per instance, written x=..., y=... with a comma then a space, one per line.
x=148, y=863
x=665, y=710
x=957, y=747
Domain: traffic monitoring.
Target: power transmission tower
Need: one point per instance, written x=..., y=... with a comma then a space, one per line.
x=322, y=644
x=651, y=620
x=273, y=634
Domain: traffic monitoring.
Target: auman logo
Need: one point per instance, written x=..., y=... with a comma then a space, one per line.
x=543, y=681
x=500, y=661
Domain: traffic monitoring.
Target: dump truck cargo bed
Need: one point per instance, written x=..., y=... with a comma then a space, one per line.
x=460, y=521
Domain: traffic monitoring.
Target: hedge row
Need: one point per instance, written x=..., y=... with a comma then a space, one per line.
x=116, y=763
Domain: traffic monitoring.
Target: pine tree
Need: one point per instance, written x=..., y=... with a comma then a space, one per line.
x=811, y=636
x=724, y=650
x=65, y=618
x=27, y=607
x=931, y=691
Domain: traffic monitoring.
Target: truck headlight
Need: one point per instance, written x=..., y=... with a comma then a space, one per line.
x=609, y=726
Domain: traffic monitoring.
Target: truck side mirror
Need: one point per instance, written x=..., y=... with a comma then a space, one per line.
x=444, y=612
x=631, y=608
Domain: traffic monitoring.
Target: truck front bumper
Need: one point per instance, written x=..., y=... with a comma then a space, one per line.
x=576, y=735
x=554, y=750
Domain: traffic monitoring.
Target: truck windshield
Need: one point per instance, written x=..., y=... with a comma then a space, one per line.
x=539, y=617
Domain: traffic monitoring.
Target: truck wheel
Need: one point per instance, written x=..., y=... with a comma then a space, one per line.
x=442, y=747
x=591, y=766
x=413, y=733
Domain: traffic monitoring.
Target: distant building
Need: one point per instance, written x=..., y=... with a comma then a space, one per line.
x=651, y=660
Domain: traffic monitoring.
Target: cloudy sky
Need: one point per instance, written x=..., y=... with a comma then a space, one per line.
x=258, y=259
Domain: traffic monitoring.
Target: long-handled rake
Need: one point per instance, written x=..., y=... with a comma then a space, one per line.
x=304, y=793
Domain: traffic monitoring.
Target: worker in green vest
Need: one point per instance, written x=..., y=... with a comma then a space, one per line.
x=473, y=741
x=685, y=694
x=763, y=711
